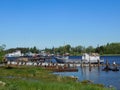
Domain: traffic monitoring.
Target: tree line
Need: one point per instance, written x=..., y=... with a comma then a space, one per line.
x=109, y=48
x=23, y=50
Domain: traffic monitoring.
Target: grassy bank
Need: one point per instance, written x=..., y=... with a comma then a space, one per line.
x=36, y=78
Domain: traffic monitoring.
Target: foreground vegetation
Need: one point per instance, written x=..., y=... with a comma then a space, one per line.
x=36, y=78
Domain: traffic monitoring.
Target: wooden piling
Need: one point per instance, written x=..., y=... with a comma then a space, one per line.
x=10, y=62
x=81, y=63
x=89, y=66
x=40, y=64
x=17, y=63
x=98, y=63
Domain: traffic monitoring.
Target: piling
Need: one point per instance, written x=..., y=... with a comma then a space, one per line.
x=81, y=63
x=17, y=63
x=98, y=63
x=89, y=66
x=68, y=65
x=74, y=66
x=40, y=64
x=107, y=68
x=107, y=64
x=10, y=62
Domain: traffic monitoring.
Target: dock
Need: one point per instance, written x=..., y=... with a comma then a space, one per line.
x=57, y=67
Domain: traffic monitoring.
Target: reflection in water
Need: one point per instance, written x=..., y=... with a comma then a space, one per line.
x=96, y=75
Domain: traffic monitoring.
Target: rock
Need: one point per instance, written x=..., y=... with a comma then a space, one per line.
x=110, y=86
x=2, y=83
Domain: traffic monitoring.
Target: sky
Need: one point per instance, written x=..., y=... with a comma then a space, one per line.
x=48, y=23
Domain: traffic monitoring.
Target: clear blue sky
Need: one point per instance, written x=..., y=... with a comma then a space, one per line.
x=48, y=23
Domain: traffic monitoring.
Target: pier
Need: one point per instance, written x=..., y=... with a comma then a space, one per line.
x=57, y=67
x=29, y=63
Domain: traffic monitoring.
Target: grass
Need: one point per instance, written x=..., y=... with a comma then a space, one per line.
x=36, y=78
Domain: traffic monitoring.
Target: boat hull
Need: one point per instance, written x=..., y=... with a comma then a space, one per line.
x=59, y=60
x=93, y=61
x=64, y=60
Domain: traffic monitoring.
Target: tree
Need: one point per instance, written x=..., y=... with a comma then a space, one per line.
x=34, y=50
x=89, y=49
x=2, y=52
x=67, y=48
x=2, y=47
x=79, y=49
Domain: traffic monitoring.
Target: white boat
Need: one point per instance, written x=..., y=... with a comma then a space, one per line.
x=92, y=58
x=14, y=54
x=86, y=58
x=66, y=59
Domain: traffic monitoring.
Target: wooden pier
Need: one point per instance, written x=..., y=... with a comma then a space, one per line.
x=58, y=67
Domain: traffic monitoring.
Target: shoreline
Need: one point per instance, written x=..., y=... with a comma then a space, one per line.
x=110, y=55
x=45, y=80
x=102, y=55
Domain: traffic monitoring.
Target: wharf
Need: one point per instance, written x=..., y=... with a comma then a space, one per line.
x=57, y=67
x=45, y=64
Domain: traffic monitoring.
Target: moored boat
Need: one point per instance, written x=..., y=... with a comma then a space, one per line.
x=66, y=59
x=91, y=58
x=86, y=58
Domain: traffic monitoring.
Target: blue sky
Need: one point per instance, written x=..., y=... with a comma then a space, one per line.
x=48, y=23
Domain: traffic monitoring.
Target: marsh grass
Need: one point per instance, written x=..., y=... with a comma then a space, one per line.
x=36, y=78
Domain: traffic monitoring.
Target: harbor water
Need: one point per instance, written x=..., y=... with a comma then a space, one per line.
x=96, y=75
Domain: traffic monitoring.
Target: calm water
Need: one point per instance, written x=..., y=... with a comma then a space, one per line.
x=97, y=75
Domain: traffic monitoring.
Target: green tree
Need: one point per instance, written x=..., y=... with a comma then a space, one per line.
x=67, y=48
x=34, y=50
x=89, y=49
x=2, y=52
x=79, y=48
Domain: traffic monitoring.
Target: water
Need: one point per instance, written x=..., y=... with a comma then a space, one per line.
x=96, y=74
x=111, y=59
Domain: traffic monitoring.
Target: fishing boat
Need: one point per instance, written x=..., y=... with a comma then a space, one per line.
x=86, y=58
x=91, y=58
x=63, y=59
x=66, y=59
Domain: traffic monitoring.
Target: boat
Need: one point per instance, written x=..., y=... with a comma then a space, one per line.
x=91, y=58
x=62, y=59
x=66, y=59
x=86, y=58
